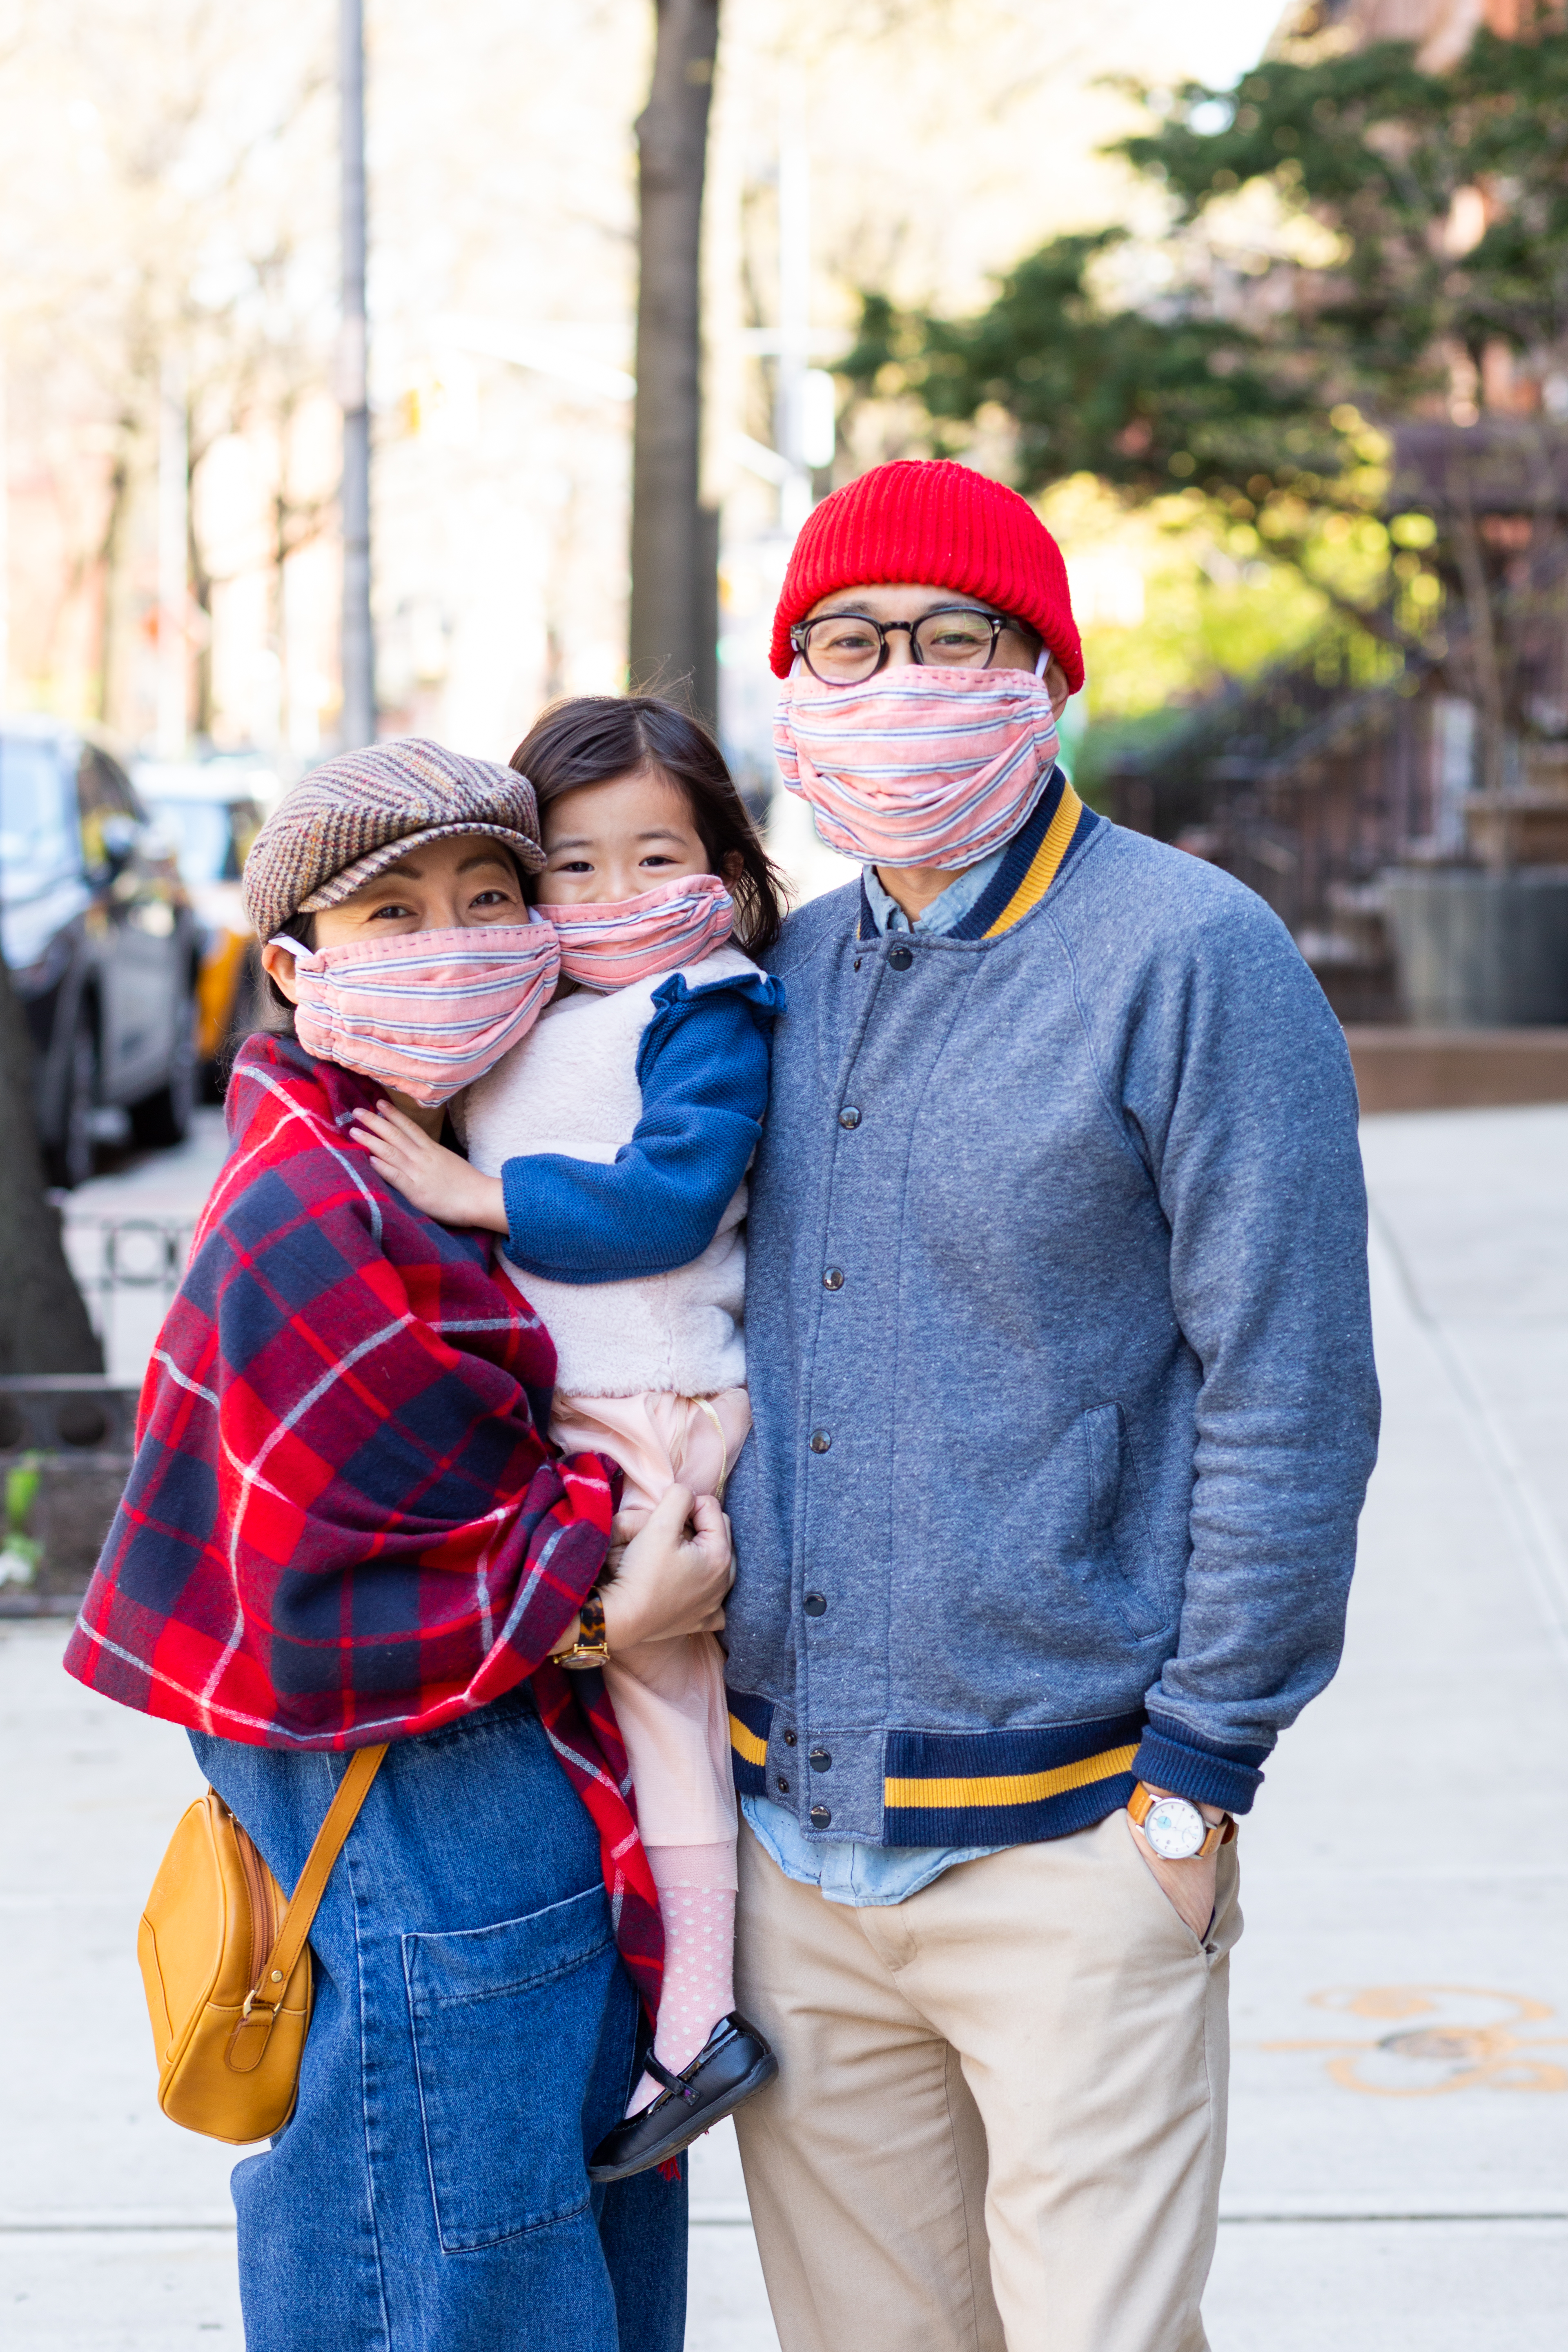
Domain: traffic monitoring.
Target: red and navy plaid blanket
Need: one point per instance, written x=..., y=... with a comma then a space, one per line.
x=342, y=1524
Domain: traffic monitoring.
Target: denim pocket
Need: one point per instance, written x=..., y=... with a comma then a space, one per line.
x=507, y=2023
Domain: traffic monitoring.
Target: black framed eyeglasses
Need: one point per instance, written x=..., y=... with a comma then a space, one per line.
x=843, y=648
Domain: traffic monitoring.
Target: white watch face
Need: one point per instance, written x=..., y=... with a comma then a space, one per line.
x=1174, y=1829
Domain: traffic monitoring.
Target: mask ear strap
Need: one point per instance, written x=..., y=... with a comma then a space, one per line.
x=1040, y=665
x=282, y=940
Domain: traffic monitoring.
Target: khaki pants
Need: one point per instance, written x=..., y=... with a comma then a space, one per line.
x=999, y=2118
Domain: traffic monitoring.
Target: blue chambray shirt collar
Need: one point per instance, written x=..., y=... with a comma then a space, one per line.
x=944, y=912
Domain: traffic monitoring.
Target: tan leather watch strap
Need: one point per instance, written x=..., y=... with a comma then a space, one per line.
x=591, y=1647
x=294, y=1932
x=1142, y=1801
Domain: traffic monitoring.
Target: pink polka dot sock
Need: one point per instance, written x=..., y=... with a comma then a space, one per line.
x=698, y=1955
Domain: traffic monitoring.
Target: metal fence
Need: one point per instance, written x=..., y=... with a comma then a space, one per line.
x=128, y=1270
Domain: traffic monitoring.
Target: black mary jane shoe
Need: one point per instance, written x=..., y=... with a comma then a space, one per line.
x=732, y=2062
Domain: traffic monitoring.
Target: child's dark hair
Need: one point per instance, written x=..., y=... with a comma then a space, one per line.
x=590, y=738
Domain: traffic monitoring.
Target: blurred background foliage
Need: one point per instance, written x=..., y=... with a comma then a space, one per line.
x=1206, y=408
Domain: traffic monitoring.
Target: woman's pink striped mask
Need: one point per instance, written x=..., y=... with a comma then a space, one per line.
x=425, y=1011
x=607, y=943
x=917, y=767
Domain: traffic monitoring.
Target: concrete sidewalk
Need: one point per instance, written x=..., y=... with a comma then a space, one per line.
x=1400, y=2107
x=1400, y=2116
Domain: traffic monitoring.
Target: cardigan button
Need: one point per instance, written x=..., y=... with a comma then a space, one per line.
x=900, y=959
x=783, y=1786
x=848, y=1116
x=821, y=1439
x=820, y=1760
x=821, y=1818
x=834, y=1278
x=814, y=1604
x=789, y=1739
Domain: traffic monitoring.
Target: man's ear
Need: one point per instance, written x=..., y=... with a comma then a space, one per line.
x=278, y=965
x=1061, y=692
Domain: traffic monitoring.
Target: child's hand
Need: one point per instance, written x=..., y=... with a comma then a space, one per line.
x=433, y=1179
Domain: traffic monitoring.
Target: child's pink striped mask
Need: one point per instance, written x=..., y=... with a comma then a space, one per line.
x=607, y=943
x=425, y=1011
x=917, y=767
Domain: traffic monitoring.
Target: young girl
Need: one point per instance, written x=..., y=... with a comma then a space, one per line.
x=610, y=1148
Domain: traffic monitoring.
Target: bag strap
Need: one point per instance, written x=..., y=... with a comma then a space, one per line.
x=294, y=1932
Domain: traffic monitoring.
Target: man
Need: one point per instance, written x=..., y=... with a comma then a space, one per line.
x=1058, y=1349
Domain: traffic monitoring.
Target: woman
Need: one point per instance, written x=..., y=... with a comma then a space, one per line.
x=343, y=1527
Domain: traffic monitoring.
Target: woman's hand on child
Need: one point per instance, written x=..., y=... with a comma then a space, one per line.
x=439, y=1182
x=674, y=1574
x=626, y=1525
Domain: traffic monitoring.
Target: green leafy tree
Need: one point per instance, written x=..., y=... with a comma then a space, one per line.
x=1147, y=397
x=1352, y=243
x=1444, y=197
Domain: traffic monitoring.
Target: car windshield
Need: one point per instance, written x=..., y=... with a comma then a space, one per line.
x=203, y=835
x=38, y=842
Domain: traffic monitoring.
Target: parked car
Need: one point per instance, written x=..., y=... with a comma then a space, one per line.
x=101, y=942
x=211, y=810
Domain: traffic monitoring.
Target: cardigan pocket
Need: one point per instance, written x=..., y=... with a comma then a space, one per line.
x=507, y=2023
x=1121, y=1543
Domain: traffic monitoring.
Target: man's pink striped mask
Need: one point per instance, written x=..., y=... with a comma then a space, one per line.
x=607, y=943
x=425, y=1011
x=917, y=767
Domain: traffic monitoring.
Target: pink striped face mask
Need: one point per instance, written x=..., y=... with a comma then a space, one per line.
x=425, y=1011
x=918, y=766
x=607, y=943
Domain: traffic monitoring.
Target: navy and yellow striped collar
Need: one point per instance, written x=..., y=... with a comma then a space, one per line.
x=1058, y=825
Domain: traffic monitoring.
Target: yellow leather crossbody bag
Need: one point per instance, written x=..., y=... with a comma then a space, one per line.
x=225, y=1961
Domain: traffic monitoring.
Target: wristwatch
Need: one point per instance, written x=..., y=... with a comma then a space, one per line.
x=589, y=1648
x=1176, y=1829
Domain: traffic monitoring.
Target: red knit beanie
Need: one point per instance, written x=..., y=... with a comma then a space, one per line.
x=926, y=519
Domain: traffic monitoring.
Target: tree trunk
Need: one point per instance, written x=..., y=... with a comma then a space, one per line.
x=672, y=540
x=44, y=1325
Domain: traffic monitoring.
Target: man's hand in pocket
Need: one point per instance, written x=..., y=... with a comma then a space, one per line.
x=1188, y=1887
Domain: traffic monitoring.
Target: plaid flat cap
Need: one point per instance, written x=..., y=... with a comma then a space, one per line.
x=353, y=816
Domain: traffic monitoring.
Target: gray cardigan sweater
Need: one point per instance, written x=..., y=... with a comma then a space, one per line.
x=1060, y=1353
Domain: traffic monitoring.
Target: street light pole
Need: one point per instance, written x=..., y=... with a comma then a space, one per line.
x=4, y=544
x=358, y=654
x=795, y=300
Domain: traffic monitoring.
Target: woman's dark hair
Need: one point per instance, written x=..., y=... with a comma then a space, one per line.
x=274, y=1014
x=590, y=738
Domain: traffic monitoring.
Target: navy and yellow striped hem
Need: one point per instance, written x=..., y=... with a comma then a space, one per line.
x=1052, y=833
x=1006, y=1788
x=751, y=1719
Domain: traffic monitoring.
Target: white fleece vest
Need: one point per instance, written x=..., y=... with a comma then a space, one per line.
x=571, y=1087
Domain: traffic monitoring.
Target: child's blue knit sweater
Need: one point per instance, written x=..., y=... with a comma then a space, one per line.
x=703, y=1070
